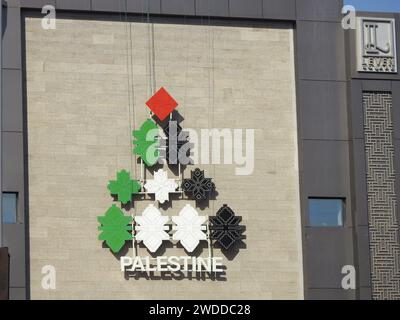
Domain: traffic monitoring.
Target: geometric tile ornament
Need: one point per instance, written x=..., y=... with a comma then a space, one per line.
x=124, y=187
x=161, y=186
x=162, y=104
x=189, y=228
x=382, y=202
x=146, y=142
x=114, y=228
x=225, y=228
x=198, y=186
x=150, y=228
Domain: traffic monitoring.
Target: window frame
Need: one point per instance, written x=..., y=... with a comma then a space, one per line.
x=343, y=201
x=17, y=220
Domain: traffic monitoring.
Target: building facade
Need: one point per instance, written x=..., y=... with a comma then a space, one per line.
x=315, y=216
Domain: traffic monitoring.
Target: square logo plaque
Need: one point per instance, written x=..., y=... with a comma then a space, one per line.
x=376, y=41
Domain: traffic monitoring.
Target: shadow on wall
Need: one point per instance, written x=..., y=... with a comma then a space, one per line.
x=234, y=250
x=4, y=21
x=179, y=275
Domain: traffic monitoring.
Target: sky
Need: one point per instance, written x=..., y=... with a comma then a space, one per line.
x=375, y=5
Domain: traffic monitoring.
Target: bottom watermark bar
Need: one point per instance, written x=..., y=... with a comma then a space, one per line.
x=193, y=309
x=201, y=309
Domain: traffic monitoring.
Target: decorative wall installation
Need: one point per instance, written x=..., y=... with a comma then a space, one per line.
x=115, y=227
x=150, y=228
x=189, y=228
x=146, y=142
x=382, y=202
x=225, y=228
x=198, y=186
x=161, y=186
x=124, y=187
x=162, y=104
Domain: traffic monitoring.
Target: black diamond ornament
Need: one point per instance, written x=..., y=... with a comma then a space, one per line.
x=225, y=228
x=198, y=186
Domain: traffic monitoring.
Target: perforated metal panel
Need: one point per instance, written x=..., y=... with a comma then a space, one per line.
x=382, y=202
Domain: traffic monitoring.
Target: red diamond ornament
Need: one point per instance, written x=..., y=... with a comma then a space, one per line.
x=162, y=104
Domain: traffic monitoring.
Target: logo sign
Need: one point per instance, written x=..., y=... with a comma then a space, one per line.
x=376, y=45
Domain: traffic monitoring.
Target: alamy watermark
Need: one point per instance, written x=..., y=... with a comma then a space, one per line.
x=49, y=20
x=349, y=20
x=349, y=279
x=48, y=277
x=204, y=146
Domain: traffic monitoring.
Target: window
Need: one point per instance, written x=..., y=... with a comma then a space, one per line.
x=325, y=212
x=9, y=203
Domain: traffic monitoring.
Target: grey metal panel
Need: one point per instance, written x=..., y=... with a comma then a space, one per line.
x=331, y=294
x=12, y=100
x=74, y=4
x=14, y=235
x=13, y=162
x=376, y=85
x=396, y=110
x=246, y=9
x=184, y=7
x=365, y=293
x=107, y=5
x=328, y=250
x=4, y=274
x=363, y=257
x=323, y=112
x=320, y=51
x=325, y=168
x=268, y=9
x=319, y=10
x=279, y=9
x=12, y=3
x=12, y=38
x=360, y=203
x=17, y=293
x=218, y=8
x=37, y=3
x=144, y=6
x=356, y=110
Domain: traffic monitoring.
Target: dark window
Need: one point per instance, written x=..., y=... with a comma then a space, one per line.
x=325, y=212
x=9, y=203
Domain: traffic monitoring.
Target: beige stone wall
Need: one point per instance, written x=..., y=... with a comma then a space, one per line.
x=82, y=107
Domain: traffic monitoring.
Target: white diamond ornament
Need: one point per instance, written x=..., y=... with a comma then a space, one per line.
x=150, y=228
x=161, y=186
x=189, y=228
